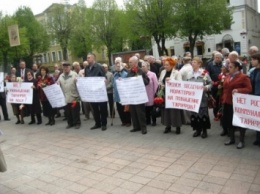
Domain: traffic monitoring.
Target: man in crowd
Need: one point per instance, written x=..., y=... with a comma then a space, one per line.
x=99, y=108
x=154, y=67
x=35, y=71
x=22, y=71
x=67, y=81
x=252, y=50
x=137, y=111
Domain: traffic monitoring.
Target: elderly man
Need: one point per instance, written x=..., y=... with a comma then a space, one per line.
x=252, y=50
x=109, y=86
x=22, y=71
x=35, y=71
x=76, y=67
x=233, y=56
x=67, y=81
x=137, y=111
x=99, y=108
x=214, y=69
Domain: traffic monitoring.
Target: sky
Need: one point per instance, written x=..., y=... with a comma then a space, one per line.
x=37, y=6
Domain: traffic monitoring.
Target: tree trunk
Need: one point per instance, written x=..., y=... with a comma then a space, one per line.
x=192, y=41
x=158, y=40
x=5, y=59
x=65, y=53
x=164, y=50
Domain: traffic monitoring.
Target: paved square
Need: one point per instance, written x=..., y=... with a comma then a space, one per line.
x=43, y=159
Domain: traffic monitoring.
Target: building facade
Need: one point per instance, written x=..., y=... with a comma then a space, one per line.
x=244, y=33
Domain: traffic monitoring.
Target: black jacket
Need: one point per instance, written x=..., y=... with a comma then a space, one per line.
x=95, y=70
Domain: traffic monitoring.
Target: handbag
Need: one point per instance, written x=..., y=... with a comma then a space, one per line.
x=2, y=162
x=211, y=102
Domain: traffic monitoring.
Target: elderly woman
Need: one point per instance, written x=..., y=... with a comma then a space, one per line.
x=124, y=115
x=170, y=117
x=200, y=121
x=151, y=89
x=234, y=82
x=255, y=80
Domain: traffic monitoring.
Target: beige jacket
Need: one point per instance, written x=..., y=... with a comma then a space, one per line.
x=68, y=86
x=175, y=75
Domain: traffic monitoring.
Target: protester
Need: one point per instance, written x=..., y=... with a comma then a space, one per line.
x=235, y=82
x=45, y=80
x=200, y=121
x=99, y=108
x=67, y=81
x=22, y=71
x=35, y=107
x=124, y=114
x=170, y=117
x=255, y=81
x=35, y=71
x=137, y=111
x=151, y=89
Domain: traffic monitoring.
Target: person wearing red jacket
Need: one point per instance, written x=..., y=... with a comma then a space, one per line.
x=235, y=82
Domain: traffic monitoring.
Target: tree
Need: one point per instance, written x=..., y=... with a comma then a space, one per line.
x=60, y=25
x=37, y=36
x=152, y=18
x=197, y=18
x=105, y=25
x=81, y=39
x=10, y=54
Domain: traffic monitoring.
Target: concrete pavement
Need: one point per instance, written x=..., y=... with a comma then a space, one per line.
x=44, y=159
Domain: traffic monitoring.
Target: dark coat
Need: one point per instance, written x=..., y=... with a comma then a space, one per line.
x=96, y=70
x=35, y=107
x=18, y=73
x=139, y=72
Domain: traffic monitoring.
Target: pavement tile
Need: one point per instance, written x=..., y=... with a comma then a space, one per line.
x=101, y=186
x=166, y=178
x=210, y=187
x=220, y=174
x=28, y=190
x=234, y=186
x=201, y=168
x=138, y=165
x=245, y=172
x=194, y=176
x=61, y=183
x=121, y=191
x=257, y=180
x=106, y=171
x=4, y=189
x=97, y=176
x=148, y=174
x=160, y=184
x=149, y=190
x=140, y=179
x=176, y=170
x=94, y=191
x=154, y=168
x=201, y=191
x=87, y=181
x=123, y=175
x=113, y=181
x=187, y=182
x=242, y=178
x=181, y=188
x=131, y=170
x=215, y=180
x=255, y=188
x=131, y=186
x=77, y=187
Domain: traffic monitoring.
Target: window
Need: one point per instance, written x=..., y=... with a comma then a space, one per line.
x=200, y=50
x=45, y=58
x=59, y=56
x=53, y=56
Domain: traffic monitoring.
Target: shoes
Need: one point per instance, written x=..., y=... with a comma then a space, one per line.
x=104, y=128
x=7, y=119
x=135, y=130
x=178, y=130
x=18, y=122
x=204, y=135
x=230, y=142
x=95, y=127
x=65, y=119
x=49, y=122
x=123, y=124
x=39, y=122
x=224, y=133
x=22, y=122
x=52, y=122
x=153, y=124
x=197, y=133
x=58, y=115
x=240, y=145
x=167, y=130
x=77, y=126
x=128, y=124
x=144, y=132
x=69, y=126
x=32, y=122
x=256, y=143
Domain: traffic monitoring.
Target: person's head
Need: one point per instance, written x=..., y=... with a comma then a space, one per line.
x=105, y=66
x=91, y=58
x=145, y=66
x=13, y=78
x=85, y=64
x=234, y=67
x=56, y=66
x=225, y=52
x=118, y=66
x=169, y=63
x=137, y=55
x=76, y=66
x=252, y=50
x=13, y=70
x=29, y=75
x=196, y=63
x=133, y=61
x=187, y=54
x=186, y=60
x=224, y=68
x=66, y=67
x=233, y=56
x=255, y=60
x=118, y=60
x=44, y=70
x=22, y=64
x=34, y=67
x=218, y=57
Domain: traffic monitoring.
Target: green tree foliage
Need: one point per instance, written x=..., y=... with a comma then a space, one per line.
x=105, y=25
x=37, y=36
x=152, y=18
x=60, y=24
x=197, y=18
x=11, y=54
x=81, y=39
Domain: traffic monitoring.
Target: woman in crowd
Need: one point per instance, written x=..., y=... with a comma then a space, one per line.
x=255, y=81
x=44, y=80
x=200, y=121
x=170, y=117
x=35, y=107
x=151, y=89
x=235, y=82
x=124, y=114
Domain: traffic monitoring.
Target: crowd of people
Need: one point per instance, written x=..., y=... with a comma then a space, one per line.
x=223, y=75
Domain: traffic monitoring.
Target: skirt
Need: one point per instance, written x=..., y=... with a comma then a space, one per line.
x=172, y=117
x=200, y=120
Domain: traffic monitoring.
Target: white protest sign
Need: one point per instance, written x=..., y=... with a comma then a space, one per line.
x=55, y=95
x=246, y=111
x=19, y=92
x=92, y=89
x=132, y=91
x=1, y=81
x=183, y=95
